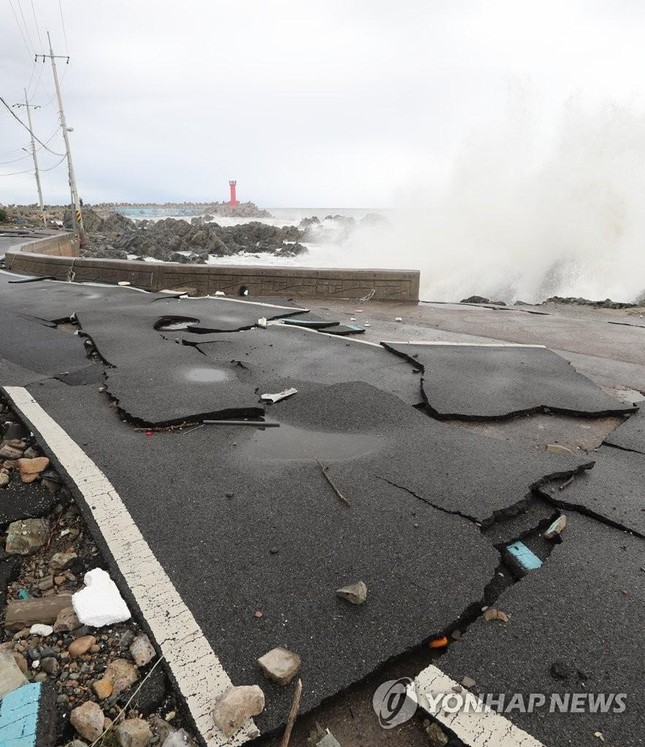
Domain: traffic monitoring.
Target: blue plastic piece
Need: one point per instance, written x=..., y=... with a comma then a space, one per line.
x=527, y=559
x=19, y=716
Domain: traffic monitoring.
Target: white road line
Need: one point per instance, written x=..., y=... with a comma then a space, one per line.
x=476, y=729
x=462, y=344
x=194, y=665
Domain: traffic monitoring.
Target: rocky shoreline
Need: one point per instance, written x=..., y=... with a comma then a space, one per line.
x=101, y=679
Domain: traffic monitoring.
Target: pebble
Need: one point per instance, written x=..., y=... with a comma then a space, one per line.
x=27, y=536
x=122, y=674
x=133, y=732
x=280, y=665
x=355, y=593
x=142, y=650
x=88, y=720
x=237, y=705
x=42, y=630
x=102, y=688
x=49, y=664
x=81, y=645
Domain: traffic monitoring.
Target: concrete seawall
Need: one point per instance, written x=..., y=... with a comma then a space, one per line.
x=57, y=256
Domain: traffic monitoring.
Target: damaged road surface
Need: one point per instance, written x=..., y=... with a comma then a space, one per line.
x=232, y=539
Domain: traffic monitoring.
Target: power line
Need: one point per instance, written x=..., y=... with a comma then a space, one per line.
x=33, y=10
x=30, y=171
x=13, y=10
x=62, y=20
x=22, y=15
x=37, y=139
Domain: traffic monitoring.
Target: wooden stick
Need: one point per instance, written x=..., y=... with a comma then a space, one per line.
x=324, y=469
x=292, y=715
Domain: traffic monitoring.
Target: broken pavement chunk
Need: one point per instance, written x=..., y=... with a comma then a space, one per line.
x=122, y=674
x=236, y=706
x=354, y=593
x=88, y=720
x=142, y=651
x=100, y=602
x=280, y=665
x=556, y=528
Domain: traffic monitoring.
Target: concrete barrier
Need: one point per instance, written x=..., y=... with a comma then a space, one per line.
x=57, y=256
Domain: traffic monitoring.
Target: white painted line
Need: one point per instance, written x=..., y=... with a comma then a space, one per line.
x=295, y=309
x=342, y=338
x=484, y=728
x=462, y=344
x=195, y=667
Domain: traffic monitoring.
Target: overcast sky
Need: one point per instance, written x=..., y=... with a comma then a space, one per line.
x=331, y=103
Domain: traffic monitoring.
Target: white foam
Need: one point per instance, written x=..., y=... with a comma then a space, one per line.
x=100, y=602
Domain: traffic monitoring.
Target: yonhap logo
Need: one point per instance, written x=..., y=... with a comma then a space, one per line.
x=395, y=702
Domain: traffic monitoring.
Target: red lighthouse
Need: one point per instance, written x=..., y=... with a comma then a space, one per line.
x=233, y=201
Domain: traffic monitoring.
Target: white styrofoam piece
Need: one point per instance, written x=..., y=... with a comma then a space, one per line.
x=100, y=602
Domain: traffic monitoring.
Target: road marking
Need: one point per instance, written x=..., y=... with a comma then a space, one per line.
x=476, y=729
x=193, y=664
x=463, y=344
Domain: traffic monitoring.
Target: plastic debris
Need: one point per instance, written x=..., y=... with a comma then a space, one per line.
x=439, y=642
x=100, y=602
x=220, y=293
x=556, y=528
x=279, y=396
x=123, y=282
x=398, y=319
x=262, y=322
x=523, y=557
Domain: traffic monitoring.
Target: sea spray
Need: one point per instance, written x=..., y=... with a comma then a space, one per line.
x=521, y=219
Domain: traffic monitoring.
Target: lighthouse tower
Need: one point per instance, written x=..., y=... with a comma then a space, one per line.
x=233, y=202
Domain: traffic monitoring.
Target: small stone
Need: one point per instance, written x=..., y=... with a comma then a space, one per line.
x=26, y=536
x=355, y=593
x=436, y=737
x=81, y=645
x=133, y=732
x=274, y=550
x=468, y=682
x=40, y=677
x=102, y=688
x=236, y=706
x=555, y=529
x=61, y=561
x=30, y=469
x=280, y=665
x=40, y=629
x=142, y=650
x=177, y=739
x=562, y=670
x=5, y=478
x=9, y=452
x=122, y=674
x=50, y=665
x=46, y=584
x=66, y=621
x=88, y=720
x=75, y=742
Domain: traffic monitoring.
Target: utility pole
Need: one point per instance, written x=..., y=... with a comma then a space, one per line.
x=77, y=216
x=29, y=106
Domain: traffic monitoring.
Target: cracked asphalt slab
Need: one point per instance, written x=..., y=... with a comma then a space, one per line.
x=488, y=382
x=630, y=435
x=614, y=491
x=243, y=520
x=283, y=543
x=277, y=355
x=575, y=627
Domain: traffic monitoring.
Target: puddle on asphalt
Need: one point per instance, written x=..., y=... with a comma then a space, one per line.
x=208, y=375
x=288, y=442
